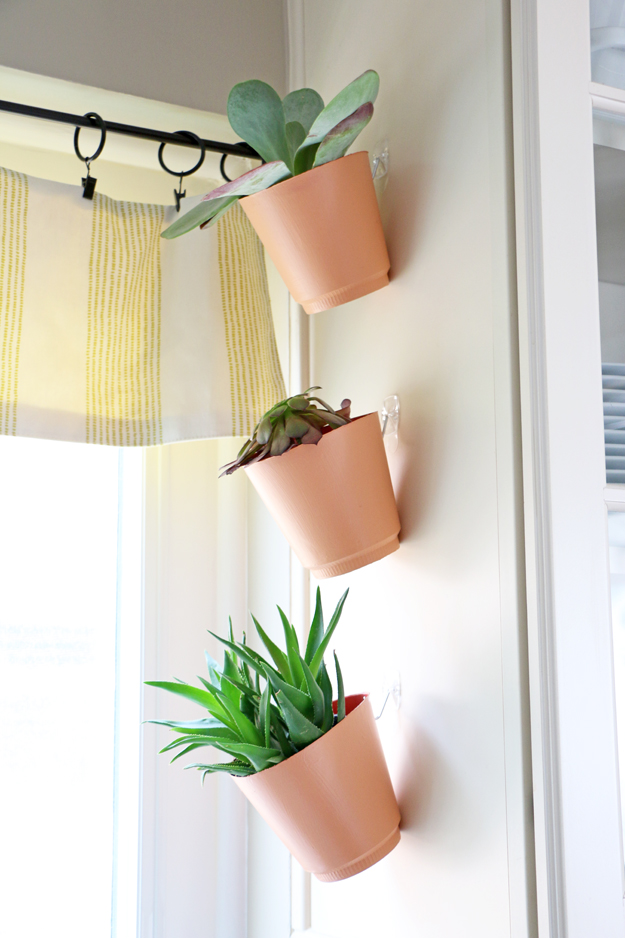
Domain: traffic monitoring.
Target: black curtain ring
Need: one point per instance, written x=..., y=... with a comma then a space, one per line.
x=222, y=168
x=102, y=125
x=187, y=172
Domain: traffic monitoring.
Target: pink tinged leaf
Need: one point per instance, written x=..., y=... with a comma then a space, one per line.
x=313, y=436
x=262, y=177
x=340, y=138
x=200, y=215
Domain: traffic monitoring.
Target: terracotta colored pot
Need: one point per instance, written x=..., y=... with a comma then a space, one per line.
x=323, y=232
x=332, y=804
x=334, y=502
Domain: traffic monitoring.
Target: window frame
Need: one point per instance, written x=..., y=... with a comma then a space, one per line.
x=575, y=766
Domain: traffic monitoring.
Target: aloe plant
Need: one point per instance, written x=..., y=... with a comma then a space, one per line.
x=292, y=422
x=291, y=136
x=260, y=713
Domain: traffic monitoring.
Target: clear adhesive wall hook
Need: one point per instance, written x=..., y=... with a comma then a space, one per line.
x=391, y=691
x=379, y=166
x=389, y=418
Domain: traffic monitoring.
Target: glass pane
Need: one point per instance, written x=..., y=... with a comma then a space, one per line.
x=607, y=42
x=610, y=202
x=59, y=679
x=616, y=527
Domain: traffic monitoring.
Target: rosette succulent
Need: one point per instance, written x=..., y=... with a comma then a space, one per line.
x=258, y=712
x=291, y=136
x=289, y=423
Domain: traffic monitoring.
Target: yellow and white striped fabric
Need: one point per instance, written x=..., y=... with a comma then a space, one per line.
x=111, y=334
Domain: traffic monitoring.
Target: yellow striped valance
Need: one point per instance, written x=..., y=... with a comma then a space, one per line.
x=111, y=334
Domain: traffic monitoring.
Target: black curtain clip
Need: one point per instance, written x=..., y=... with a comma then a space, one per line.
x=178, y=193
x=89, y=181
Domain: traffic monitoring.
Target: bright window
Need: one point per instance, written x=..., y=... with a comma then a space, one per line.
x=70, y=639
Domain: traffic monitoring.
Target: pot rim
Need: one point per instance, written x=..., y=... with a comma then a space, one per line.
x=273, y=768
x=300, y=445
x=300, y=176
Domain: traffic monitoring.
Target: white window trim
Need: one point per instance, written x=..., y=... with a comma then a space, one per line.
x=575, y=770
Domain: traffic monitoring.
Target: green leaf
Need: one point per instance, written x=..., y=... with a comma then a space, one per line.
x=260, y=757
x=286, y=746
x=188, y=749
x=205, y=698
x=247, y=706
x=265, y=715
x=280, y=659
x=245, y=690
x=292, y=649
x=358, y=92
x=316, y=695
x=339, y=140
x=296, y=426
x=199, y=727
x=188, y=725
x=340, y=707
x=245, y=671
x=231, y=669
x=245, y=727
x=326, y=686
x=280, y=441
x=214, y=671
x=301, y=730
x=298, y=403
x=303, y=106
x=230, y=691
x=222, y=211
x=198, y=215
x=255, y=113
x=237, y=767
x=297, y=697
x=295, y=135
x=334, y=621
x=252, y=658
x=362, y=90
x=263, y=432
x=316, y=630
x=304, y=158
x=202, y=740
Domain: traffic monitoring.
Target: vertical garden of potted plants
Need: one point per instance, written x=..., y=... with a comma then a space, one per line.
x=311, y=763
x=313, y=207
x=312, y=766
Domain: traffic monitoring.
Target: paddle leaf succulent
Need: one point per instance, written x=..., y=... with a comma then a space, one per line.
x=291, y=136
x=289, y=423
x=260, y=712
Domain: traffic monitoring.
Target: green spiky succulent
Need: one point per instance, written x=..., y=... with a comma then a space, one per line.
x=292, y=136
x=289, y=423
x=261, y=713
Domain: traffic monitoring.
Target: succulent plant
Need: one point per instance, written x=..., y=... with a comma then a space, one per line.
x=289, y=423
x=261, y=713
x=291, y=136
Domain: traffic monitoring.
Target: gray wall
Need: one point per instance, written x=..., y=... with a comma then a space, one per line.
x=187, y=52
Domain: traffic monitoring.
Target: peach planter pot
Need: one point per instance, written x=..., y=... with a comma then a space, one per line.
x=323, y=232
x=334, y=502
x=332, y=804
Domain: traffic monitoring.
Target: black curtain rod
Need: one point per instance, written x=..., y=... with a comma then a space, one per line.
x=129, y=130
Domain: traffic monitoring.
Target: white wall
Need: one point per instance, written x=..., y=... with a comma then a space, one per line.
x=445, y=610
x=189, y=52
